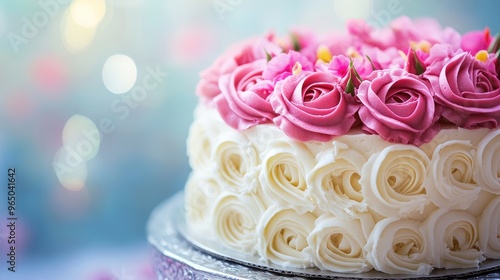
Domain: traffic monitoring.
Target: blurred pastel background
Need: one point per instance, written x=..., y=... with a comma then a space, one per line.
x=127, y=69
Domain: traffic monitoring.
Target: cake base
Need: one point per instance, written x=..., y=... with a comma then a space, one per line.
x=181, y=254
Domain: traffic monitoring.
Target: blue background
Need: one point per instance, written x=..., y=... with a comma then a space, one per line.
x=98, y=231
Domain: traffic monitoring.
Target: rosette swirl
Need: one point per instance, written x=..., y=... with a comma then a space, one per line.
x=283, y=237
x=244, y=101
x=235, y=219
x=453, y=235
x=313, y=106
x=333, y=182
x=398, y=246
x=488, y=161
x=236, y=162
x=398, y=106
x=283, y=174
x=468, y=92
x=450, y=182
x=489, y=229
x=199, y=147
x=394, y=180
x=200, y=192
x=337, y=244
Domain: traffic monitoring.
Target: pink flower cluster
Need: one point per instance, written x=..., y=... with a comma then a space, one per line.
x=402, y=82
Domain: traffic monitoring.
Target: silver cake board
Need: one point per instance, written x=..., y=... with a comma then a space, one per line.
x=179, y=254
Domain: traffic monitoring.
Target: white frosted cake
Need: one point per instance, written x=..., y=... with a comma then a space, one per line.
x=373, y=149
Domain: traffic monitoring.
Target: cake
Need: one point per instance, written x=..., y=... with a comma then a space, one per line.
x=368, y=149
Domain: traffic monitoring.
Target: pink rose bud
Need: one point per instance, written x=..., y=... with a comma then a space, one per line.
x=414, y=64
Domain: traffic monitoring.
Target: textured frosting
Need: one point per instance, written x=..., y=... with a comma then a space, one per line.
x=349, y=205
x=404, y=82
x=375, y=149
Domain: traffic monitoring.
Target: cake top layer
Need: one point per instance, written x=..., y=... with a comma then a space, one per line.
x=402, y=82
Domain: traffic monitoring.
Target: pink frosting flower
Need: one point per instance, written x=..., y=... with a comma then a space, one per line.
x=339, y=66
x=281, y=66
x=398, y=106
x=384, y=59
x=439, y=55
x=240, y=54
x=468, y=92
x=312, y=106
x=475, y=41
x=244, y=101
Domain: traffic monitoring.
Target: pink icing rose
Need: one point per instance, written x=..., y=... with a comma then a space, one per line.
x=244, y=101
x=475, y=41
x=313, y=106
x=468, y=92
x=208, y=86
x=398, y=106
x=240, y=54
x=281, y=66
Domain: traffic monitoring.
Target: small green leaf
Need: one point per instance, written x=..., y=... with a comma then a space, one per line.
x=295, y=42
x=351, y=65
x=495, y=44
x=371, y=62
x=350, y=87
x=268, y=55
x=419, y=68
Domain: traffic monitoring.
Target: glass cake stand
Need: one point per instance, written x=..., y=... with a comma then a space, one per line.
x=179, y=254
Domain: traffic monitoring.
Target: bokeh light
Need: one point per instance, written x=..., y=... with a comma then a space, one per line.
x=50, y=74
x=88, y=13
x=70, y=169
x=81, y=141
x=119, y=73
x=81, y=134
x=191, y=43
x=76, y=37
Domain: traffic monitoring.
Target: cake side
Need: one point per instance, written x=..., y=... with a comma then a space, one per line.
x=370, y=149
x=347, y=205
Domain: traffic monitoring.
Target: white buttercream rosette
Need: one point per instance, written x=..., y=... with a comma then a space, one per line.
x=488, y=161
x=202, y=133
x=398, y=246
x=337, y=244
x=453, y=235
x=489, y=229
x=283, y=174
x=393, y=180
x=334, y=182
x=199, y=195
x=236, y=161
x=450, y=175
x=283, y=237
x=235, y=218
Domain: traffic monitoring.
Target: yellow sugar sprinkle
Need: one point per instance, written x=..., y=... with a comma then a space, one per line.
x=482, y=56
x=297, y=68
x=323, y=53
x=352, y=53
x=403, y=55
